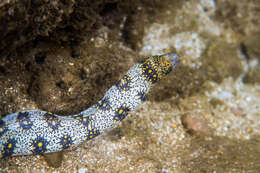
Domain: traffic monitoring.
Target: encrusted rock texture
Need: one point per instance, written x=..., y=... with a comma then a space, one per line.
x=62, y=56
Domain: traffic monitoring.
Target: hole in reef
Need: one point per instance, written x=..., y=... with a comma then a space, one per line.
x=108, y=8
x=2, y=69
x=40, y=57
x=61, y=85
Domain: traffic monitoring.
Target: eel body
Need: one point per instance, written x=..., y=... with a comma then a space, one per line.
x=39, y=132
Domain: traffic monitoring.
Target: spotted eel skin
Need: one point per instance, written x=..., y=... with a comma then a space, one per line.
x=39, y=132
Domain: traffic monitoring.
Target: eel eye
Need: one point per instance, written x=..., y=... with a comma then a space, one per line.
x=168, y=64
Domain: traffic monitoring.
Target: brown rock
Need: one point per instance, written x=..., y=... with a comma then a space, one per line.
x=195, y=125
x=238, y=111
x=54, y=159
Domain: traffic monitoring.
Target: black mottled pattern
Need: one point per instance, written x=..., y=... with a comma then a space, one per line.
x=39, y=145
x=84, y=120
x=66, y=141
x=151, y=74
x=150, y=70
x=24, y=120
x=124, y=83
x=3, y=127
x=121, y=113
x=155, y=67
x=104, y=104
x=9, y=147
x=52, y=121
x=92, y=133
x=142, y=95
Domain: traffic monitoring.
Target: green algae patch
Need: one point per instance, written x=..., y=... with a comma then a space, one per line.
x=221, y=60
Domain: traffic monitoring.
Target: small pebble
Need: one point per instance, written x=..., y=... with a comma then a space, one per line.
x=54, y=159
x=238, y=111
x=195, y=125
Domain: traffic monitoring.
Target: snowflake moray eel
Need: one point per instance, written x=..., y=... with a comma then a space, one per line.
x=39, y=132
